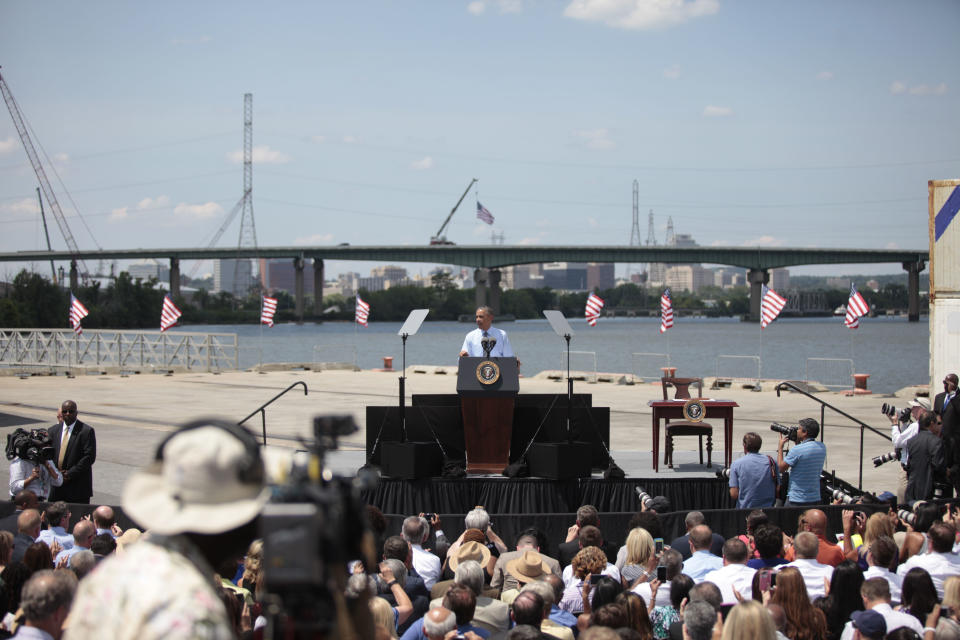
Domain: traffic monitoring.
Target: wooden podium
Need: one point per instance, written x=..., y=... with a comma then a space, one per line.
x=487, y=388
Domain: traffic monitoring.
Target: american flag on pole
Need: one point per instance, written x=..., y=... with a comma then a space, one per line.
x=363, y=311
x=77, y=313
x=169, y=314
x=856, y=307
x=483, y=214
x=592, y=312
x=771, y=304
x=268, y=311
x=666, y=311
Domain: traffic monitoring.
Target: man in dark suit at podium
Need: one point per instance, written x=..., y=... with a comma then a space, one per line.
x=472, y=344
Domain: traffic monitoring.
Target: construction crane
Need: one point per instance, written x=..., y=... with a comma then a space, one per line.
x=440, y=238
x=42, y=177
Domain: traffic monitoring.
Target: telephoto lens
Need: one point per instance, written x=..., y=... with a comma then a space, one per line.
x=645, y=498
x=885, y=458
x=907, y=516
x=723, y=473
x=841, y=495
x=791, y=432
x=888, y=409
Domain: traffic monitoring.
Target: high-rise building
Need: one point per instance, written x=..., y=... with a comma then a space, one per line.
x=233, y=275
x=779, y=279
x=281, y=275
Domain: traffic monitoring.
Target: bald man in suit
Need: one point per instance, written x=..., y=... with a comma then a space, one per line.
x=76, y=452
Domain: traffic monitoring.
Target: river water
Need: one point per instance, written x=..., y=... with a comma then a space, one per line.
x=893, y=351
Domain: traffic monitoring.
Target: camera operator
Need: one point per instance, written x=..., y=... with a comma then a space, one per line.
x=805, y=463
x=753, y=477
x=36, y=475
x=925, y=453
x=901, y=431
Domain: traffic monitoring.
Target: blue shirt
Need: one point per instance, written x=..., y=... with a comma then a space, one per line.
x=700, y=564
x=760, y=563
x=471, y=344
x=562, y=617
x=806, y=463
x=415, y=632
x=751, y=474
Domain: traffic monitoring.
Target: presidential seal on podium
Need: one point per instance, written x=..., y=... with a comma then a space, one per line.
x=488, y=372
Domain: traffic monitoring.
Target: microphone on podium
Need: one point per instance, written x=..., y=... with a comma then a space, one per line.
x=488, y=344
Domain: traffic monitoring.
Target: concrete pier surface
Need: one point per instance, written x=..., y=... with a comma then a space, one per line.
x=133, y=414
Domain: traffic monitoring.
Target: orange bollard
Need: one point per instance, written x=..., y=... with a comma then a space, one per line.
x=388, y=363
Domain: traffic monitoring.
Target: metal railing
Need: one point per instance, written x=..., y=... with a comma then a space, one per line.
x=262, y=409
x=826, y=405
x=649, y=366
x=582, y=363
x=340, y=356
x=121, y=350
x=833, y=373
x=739, y=369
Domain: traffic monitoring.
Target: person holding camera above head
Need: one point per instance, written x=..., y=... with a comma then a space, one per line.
x=926, y=459
x=34, y=473
x=805, y=463
x=753, y=477
x=903, y=427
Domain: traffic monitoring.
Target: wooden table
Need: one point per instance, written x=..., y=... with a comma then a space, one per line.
x=668, y=410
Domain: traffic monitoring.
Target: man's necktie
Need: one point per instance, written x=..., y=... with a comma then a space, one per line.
x=64, y=439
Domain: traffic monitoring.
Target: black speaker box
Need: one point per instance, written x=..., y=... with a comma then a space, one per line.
x=559, y=460
x=410, y=460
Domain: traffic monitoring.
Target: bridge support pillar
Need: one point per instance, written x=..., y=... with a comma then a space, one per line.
x=493, y=291
x=480, y=284
x=74, y=276
x=317, y=287
x=757, y=278
x=175, y=277
x=913, y=289
x=298, y=288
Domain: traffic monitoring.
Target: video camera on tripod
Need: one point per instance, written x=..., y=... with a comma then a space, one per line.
x=313, y=526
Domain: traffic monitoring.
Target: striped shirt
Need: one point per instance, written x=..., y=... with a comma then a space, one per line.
x=806, y=462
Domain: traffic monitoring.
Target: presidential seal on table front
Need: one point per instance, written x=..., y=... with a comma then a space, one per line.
x=488, y=372
x=693, y=410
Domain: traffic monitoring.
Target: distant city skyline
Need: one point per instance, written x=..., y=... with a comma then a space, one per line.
x=748, y=123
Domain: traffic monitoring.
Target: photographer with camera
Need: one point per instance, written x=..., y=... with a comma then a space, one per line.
x=753, y=477
x=926, y=460
x=31, y=463
x=804, y=461
x=903, y=427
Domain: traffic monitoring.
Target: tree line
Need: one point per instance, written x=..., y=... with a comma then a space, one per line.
x=33, y=301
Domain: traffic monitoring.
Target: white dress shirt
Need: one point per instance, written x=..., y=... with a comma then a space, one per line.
x=732, y=577
x=894, y=620
x=940, y=566
x=663, y=593
x=813, y=573
x=892, y=579
x=426, y=564
x=900, y=438
x=20, y=470
x=474, y=348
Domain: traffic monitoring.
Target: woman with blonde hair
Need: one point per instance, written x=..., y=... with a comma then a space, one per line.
x=383, y=615
x=804, y=621
x=877, y=525
x=641, y=560
x=252, y=564
x=749, y=620
x=951, y=593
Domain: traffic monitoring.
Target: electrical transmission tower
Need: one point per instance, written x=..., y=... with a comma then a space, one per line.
x=671, y=237
x=635, y=228
x=242, y=281
x=497, y=238
x=651, y=232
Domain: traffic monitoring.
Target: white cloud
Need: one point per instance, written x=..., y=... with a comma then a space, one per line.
x=314, y=240
x=319, y=139
x=897, y=88
x=26, y=205
x=477, y=8
x=825, y=75
x=533, y=239
x=592, y=222
x=425, y=163
x=194, y=40
x=120, y=213
x=261, y=155
x=763, y=241
x=925, y=90
x=62, y=158
x=349, y=139
x=596, y=139
x=153, y=203
x=640, y=14
x=672, y=72
x=892, y=246
x=198, y=211
x=8, y=145
x=713, y=111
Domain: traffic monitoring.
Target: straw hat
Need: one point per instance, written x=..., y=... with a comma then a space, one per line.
x=471, y=551
x=528, y=566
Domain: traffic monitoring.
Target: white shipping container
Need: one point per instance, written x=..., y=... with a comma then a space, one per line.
x=944, y=230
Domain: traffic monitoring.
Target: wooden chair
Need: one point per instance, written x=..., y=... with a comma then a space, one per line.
x=682, y=427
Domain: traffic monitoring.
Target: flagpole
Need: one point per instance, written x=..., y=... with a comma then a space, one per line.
x=261, y=333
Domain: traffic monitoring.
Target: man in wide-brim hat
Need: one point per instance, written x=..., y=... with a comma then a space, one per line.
x=528, y=566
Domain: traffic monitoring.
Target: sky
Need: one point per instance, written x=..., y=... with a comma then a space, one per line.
x=747, y=123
